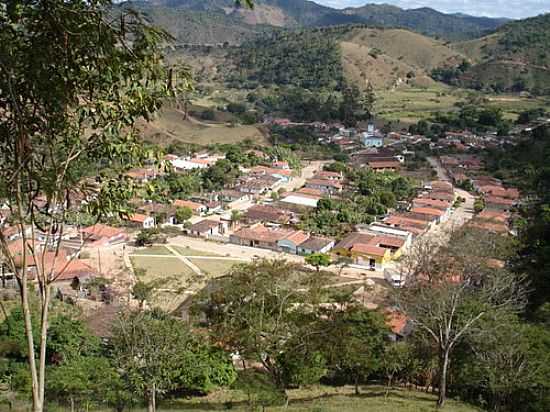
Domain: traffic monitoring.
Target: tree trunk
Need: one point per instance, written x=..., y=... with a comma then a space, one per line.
x=152, y=406
x=37, y=403
x=444, y=366
x=43, y=339
x=356, y=382
x=72, y=404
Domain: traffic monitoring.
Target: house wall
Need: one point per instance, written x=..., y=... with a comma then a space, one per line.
x=287, y=246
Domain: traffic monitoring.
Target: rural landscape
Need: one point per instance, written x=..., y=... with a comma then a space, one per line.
x=274, y=205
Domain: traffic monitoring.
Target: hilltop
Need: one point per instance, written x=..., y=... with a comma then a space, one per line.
x=183, y=19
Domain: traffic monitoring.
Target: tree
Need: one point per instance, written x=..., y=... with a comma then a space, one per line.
x=143, y=291
x=147, y=350
x=263, y=311
x=73, y=81
x=146, y=237
x=183, y=214
x=479, y=205
x=318, y=260
x=354, y=343
x=236, y=216
x=447, y=293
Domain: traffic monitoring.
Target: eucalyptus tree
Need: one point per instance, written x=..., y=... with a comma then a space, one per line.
x=74, y=79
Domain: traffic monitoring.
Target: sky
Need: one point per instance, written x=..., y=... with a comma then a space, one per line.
x=515, y=9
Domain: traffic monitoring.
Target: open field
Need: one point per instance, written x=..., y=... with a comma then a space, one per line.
x=214, y=267
x=170, y=127
x=176, y=273
x=153, y=250
x=513, y=105
x=409, y=105
x=186, y=251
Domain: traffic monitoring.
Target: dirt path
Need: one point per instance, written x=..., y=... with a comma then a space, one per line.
x=186, y=261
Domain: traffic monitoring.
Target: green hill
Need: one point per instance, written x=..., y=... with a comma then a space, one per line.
x=515, y=58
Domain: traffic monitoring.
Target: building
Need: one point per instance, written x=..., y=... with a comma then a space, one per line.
x=432, y=203
x=267, y=214
x=229, y=195
x=290, y=243
x=315, y=244
x=370, y=251
x=499, y=203
x=302, y=200
x=142, y=221
x=411, y=225
x=326, y=175
x=260, y=236
x=142, y=175
x=380, y=166
x=430, y=214
x=207, y=228
x=198, y=209
x=325, y=186
x=104, y=235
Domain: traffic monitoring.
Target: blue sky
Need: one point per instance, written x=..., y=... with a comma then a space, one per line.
x=492, y=8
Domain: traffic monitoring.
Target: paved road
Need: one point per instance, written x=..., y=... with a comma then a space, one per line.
x=436, y=165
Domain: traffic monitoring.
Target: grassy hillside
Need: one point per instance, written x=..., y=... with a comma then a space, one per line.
x=515, y=58
x=391, y=57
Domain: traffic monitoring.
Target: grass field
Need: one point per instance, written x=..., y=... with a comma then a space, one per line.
x=409, y=105
x=170, y=127
x=153, y=250
x=176, y=273
x=186, y=251
x=214, y=267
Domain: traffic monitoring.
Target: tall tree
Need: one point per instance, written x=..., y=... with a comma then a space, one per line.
x=449, y=292
x=147, y=350
x=73, y=81
x=263, y=312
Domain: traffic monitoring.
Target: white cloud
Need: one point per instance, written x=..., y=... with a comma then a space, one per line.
x=491, y=8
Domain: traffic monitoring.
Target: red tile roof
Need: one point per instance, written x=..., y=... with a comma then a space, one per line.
x=100, y=230
x=427, y=211
x=369, y=250
x=194, y=206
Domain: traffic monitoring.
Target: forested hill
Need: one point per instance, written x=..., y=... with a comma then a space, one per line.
x=183, y=19
x=516, y=58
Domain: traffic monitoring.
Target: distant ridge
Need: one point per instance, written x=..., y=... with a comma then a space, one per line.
x=186, y=19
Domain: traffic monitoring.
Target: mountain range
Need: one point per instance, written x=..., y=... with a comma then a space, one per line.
x=226, y=23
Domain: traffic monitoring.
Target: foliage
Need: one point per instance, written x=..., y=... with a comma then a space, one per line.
x=73, y=84
x=353, y=344
x=183, y=214
x=146, y=237
x=448, y=294
x=318, y=259
x=262, y=310
x=376, y=193
x=306, y=59
x=219, y=175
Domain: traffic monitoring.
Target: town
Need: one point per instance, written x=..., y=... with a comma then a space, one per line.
x=272, y=205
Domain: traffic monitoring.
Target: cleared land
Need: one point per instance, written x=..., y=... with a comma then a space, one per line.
x=170, y=127
x=153, y=250
x=214, y=267
x=174, y=271
x=186, y=251
x=409, y=105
